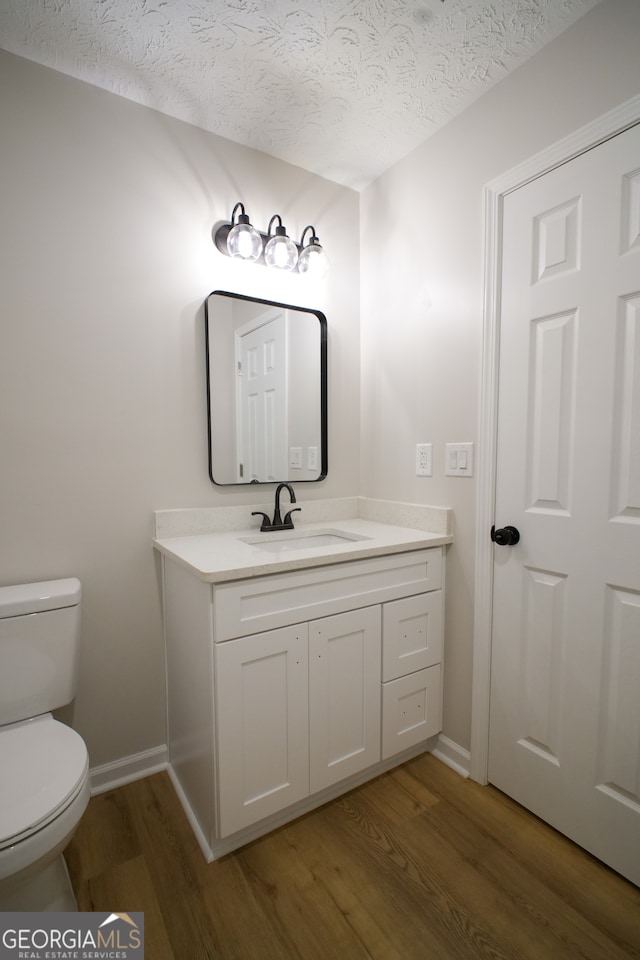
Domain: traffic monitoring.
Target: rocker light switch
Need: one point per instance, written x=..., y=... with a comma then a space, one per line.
x=459, y=460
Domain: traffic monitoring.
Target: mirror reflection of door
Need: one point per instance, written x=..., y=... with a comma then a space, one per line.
x=261, y=398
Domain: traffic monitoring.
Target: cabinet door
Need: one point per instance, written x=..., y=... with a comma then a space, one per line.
x=344, y=695
x=412, y=634
x=411, y=710
x=262, y=725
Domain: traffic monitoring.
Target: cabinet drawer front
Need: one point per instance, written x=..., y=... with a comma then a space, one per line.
x=262, y=725
x=411, y=710
x=243, y=607
x=412, y=634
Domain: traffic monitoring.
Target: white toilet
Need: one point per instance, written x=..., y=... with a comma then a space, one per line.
x=44, y=767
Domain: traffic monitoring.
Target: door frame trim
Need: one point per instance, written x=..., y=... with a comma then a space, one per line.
x=612, y=123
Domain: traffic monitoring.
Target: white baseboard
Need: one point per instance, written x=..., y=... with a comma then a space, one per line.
x=139, y=765
x=453, y=755
x=203, y=841
x=135, y=767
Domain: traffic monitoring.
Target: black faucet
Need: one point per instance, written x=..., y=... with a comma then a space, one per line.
x=278, y=523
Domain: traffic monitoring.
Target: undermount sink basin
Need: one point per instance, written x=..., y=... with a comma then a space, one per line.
x=291, y=540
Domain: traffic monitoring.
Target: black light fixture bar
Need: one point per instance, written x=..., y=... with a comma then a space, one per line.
x=222, y=232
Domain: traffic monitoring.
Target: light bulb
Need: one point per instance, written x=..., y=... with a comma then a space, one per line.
x=244, y=240
x=280, y=251
x=313, y=261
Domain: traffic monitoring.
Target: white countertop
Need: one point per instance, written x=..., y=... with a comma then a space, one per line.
x=222, y=556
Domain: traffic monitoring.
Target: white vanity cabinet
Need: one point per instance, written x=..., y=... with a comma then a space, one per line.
x=287, y=689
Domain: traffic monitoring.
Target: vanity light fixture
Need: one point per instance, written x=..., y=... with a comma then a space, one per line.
x=239, y=238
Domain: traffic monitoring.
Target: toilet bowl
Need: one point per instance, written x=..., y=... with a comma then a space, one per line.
x=44, y=792
x=44, y=787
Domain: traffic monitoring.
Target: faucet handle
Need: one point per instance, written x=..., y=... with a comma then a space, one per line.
x=288, y=522
x=266, y=522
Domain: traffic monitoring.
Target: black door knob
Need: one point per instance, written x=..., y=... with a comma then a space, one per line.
x=505, y=536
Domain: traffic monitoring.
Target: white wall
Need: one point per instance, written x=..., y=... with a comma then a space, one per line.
x=422, y=285
x=106, y=256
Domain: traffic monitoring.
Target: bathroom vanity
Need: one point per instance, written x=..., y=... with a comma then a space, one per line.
x=298, y=665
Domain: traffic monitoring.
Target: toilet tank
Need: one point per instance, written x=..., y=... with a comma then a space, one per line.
x=39, y=647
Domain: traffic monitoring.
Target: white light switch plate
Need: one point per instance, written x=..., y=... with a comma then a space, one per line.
x=458, y=460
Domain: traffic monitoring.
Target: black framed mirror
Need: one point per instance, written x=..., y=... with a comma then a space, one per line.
x=266, y=390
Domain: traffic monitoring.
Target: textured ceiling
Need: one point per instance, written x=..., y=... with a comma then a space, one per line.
x=343, y=88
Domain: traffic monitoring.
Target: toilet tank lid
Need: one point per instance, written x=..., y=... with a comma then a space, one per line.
x=39, y=597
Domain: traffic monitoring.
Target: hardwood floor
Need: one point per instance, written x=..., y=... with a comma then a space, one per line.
x=419, y=864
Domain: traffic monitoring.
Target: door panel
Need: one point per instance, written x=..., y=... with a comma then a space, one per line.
x=344, y=695
x=262, y=717
x=626, y=457
x=565, y=706
x=552, y=411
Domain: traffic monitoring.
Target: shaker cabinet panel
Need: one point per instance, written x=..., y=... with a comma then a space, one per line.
x=344, y=695
x=412, y=631
x=262, y=711
x=412, y=710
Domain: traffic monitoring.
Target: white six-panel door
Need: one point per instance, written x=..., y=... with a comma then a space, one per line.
x=565, y=675
x=261, y=418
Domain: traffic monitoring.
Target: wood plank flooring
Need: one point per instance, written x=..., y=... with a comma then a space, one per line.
x=419, y=864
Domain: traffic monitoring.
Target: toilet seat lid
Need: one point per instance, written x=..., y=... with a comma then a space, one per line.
x=44, y=764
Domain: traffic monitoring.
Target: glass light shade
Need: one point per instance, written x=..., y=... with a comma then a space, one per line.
x=244, y=241
x=281, y=252
x=313, y=261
